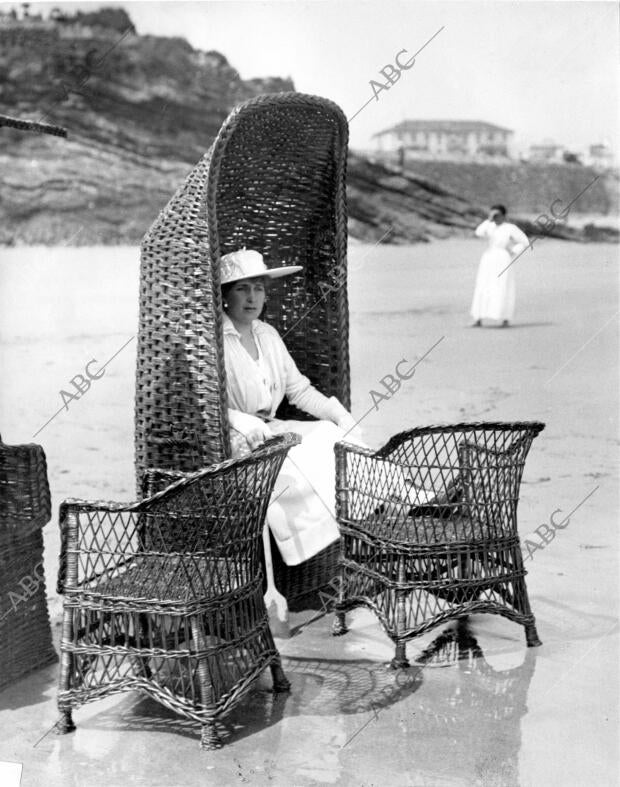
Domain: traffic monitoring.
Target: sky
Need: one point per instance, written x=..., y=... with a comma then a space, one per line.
x=546, y=70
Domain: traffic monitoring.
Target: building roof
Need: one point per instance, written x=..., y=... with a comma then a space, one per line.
x=447, y=126
x=546, y=146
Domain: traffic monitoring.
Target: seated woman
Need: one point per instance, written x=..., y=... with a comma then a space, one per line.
x=260, y=372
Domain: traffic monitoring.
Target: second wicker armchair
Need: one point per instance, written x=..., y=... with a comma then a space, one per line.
x=429, y=528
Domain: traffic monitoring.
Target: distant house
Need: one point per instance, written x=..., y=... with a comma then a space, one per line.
x=600, y=156
x=449, y=139
x=546, y=151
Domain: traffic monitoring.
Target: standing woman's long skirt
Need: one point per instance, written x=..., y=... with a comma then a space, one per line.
x=494, y=295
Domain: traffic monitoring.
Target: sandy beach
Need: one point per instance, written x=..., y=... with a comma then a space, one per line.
x=62, y=308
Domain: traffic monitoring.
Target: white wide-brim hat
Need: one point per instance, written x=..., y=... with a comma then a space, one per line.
x=249, y=264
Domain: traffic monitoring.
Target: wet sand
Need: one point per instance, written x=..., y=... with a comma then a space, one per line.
x=530, y=717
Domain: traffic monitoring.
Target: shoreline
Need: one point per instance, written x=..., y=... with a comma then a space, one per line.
x=588, y=228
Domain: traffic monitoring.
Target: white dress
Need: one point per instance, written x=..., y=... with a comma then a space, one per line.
x=494, y=295
x=301, y=514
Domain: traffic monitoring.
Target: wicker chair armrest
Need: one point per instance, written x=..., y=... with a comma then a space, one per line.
x=534, y=427
x=368, y=485
x=154, y=476
x=79, y=504
x=69, y=530
x=342, y=448
x=154, y=479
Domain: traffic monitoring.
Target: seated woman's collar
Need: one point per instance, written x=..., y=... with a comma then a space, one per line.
x=229, y=326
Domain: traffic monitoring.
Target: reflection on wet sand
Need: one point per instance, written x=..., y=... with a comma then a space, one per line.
x=471, y=706
x=470, y=722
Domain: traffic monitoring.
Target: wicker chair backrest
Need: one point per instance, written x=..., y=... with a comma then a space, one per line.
x=25, y=502
x=273, y=180
x=200, y=535
x=470, y=471
x=490, y=479
x=218, y=511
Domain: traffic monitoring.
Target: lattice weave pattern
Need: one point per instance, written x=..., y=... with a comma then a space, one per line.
x=429, y=527
x=165, y=595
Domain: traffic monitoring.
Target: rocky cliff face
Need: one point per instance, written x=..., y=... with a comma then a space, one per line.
x=140, y=111
x=525, y=187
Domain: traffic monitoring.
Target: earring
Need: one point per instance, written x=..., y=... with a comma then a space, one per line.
x=225, y=305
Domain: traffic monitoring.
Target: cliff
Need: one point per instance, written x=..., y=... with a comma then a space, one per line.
x=524, y=187
x=140, y=111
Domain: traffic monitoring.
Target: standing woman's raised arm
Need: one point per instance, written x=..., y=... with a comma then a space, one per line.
x=482, y=230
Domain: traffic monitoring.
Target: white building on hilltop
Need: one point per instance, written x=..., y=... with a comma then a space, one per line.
x=600, y=156
x=447, y=139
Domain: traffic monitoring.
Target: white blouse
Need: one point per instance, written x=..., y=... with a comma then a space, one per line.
x=505, y=236
x=258, y=387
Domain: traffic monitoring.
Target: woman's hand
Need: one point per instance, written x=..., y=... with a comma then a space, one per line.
x=258, y=435
x=252, y=428
x=353, y=433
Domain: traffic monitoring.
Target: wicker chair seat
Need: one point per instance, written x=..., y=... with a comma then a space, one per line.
x=171, y=579
x=422, y=533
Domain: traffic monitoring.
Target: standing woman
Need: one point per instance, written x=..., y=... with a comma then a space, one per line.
x=494, y=295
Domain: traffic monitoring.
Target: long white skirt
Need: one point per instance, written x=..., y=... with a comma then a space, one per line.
x=494, y=295
x=301, y=514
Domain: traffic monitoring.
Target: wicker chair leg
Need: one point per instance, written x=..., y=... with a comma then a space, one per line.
x=144, y=667
x=339, y=626
x=400, y=655
x=400, y=660
x=65, y=723
x=209, y=739
x=280, y=682
x=531, y=636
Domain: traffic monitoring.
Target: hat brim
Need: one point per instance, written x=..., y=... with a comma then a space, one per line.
x=272, y=273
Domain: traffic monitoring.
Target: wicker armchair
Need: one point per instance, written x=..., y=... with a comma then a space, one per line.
x=429, y=528
x=165, y=595
x=273, y=180
x=25, y=509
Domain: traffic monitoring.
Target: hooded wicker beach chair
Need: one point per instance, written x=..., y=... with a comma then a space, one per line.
x=273, y=180
x=429, y=528
x=165, y=595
